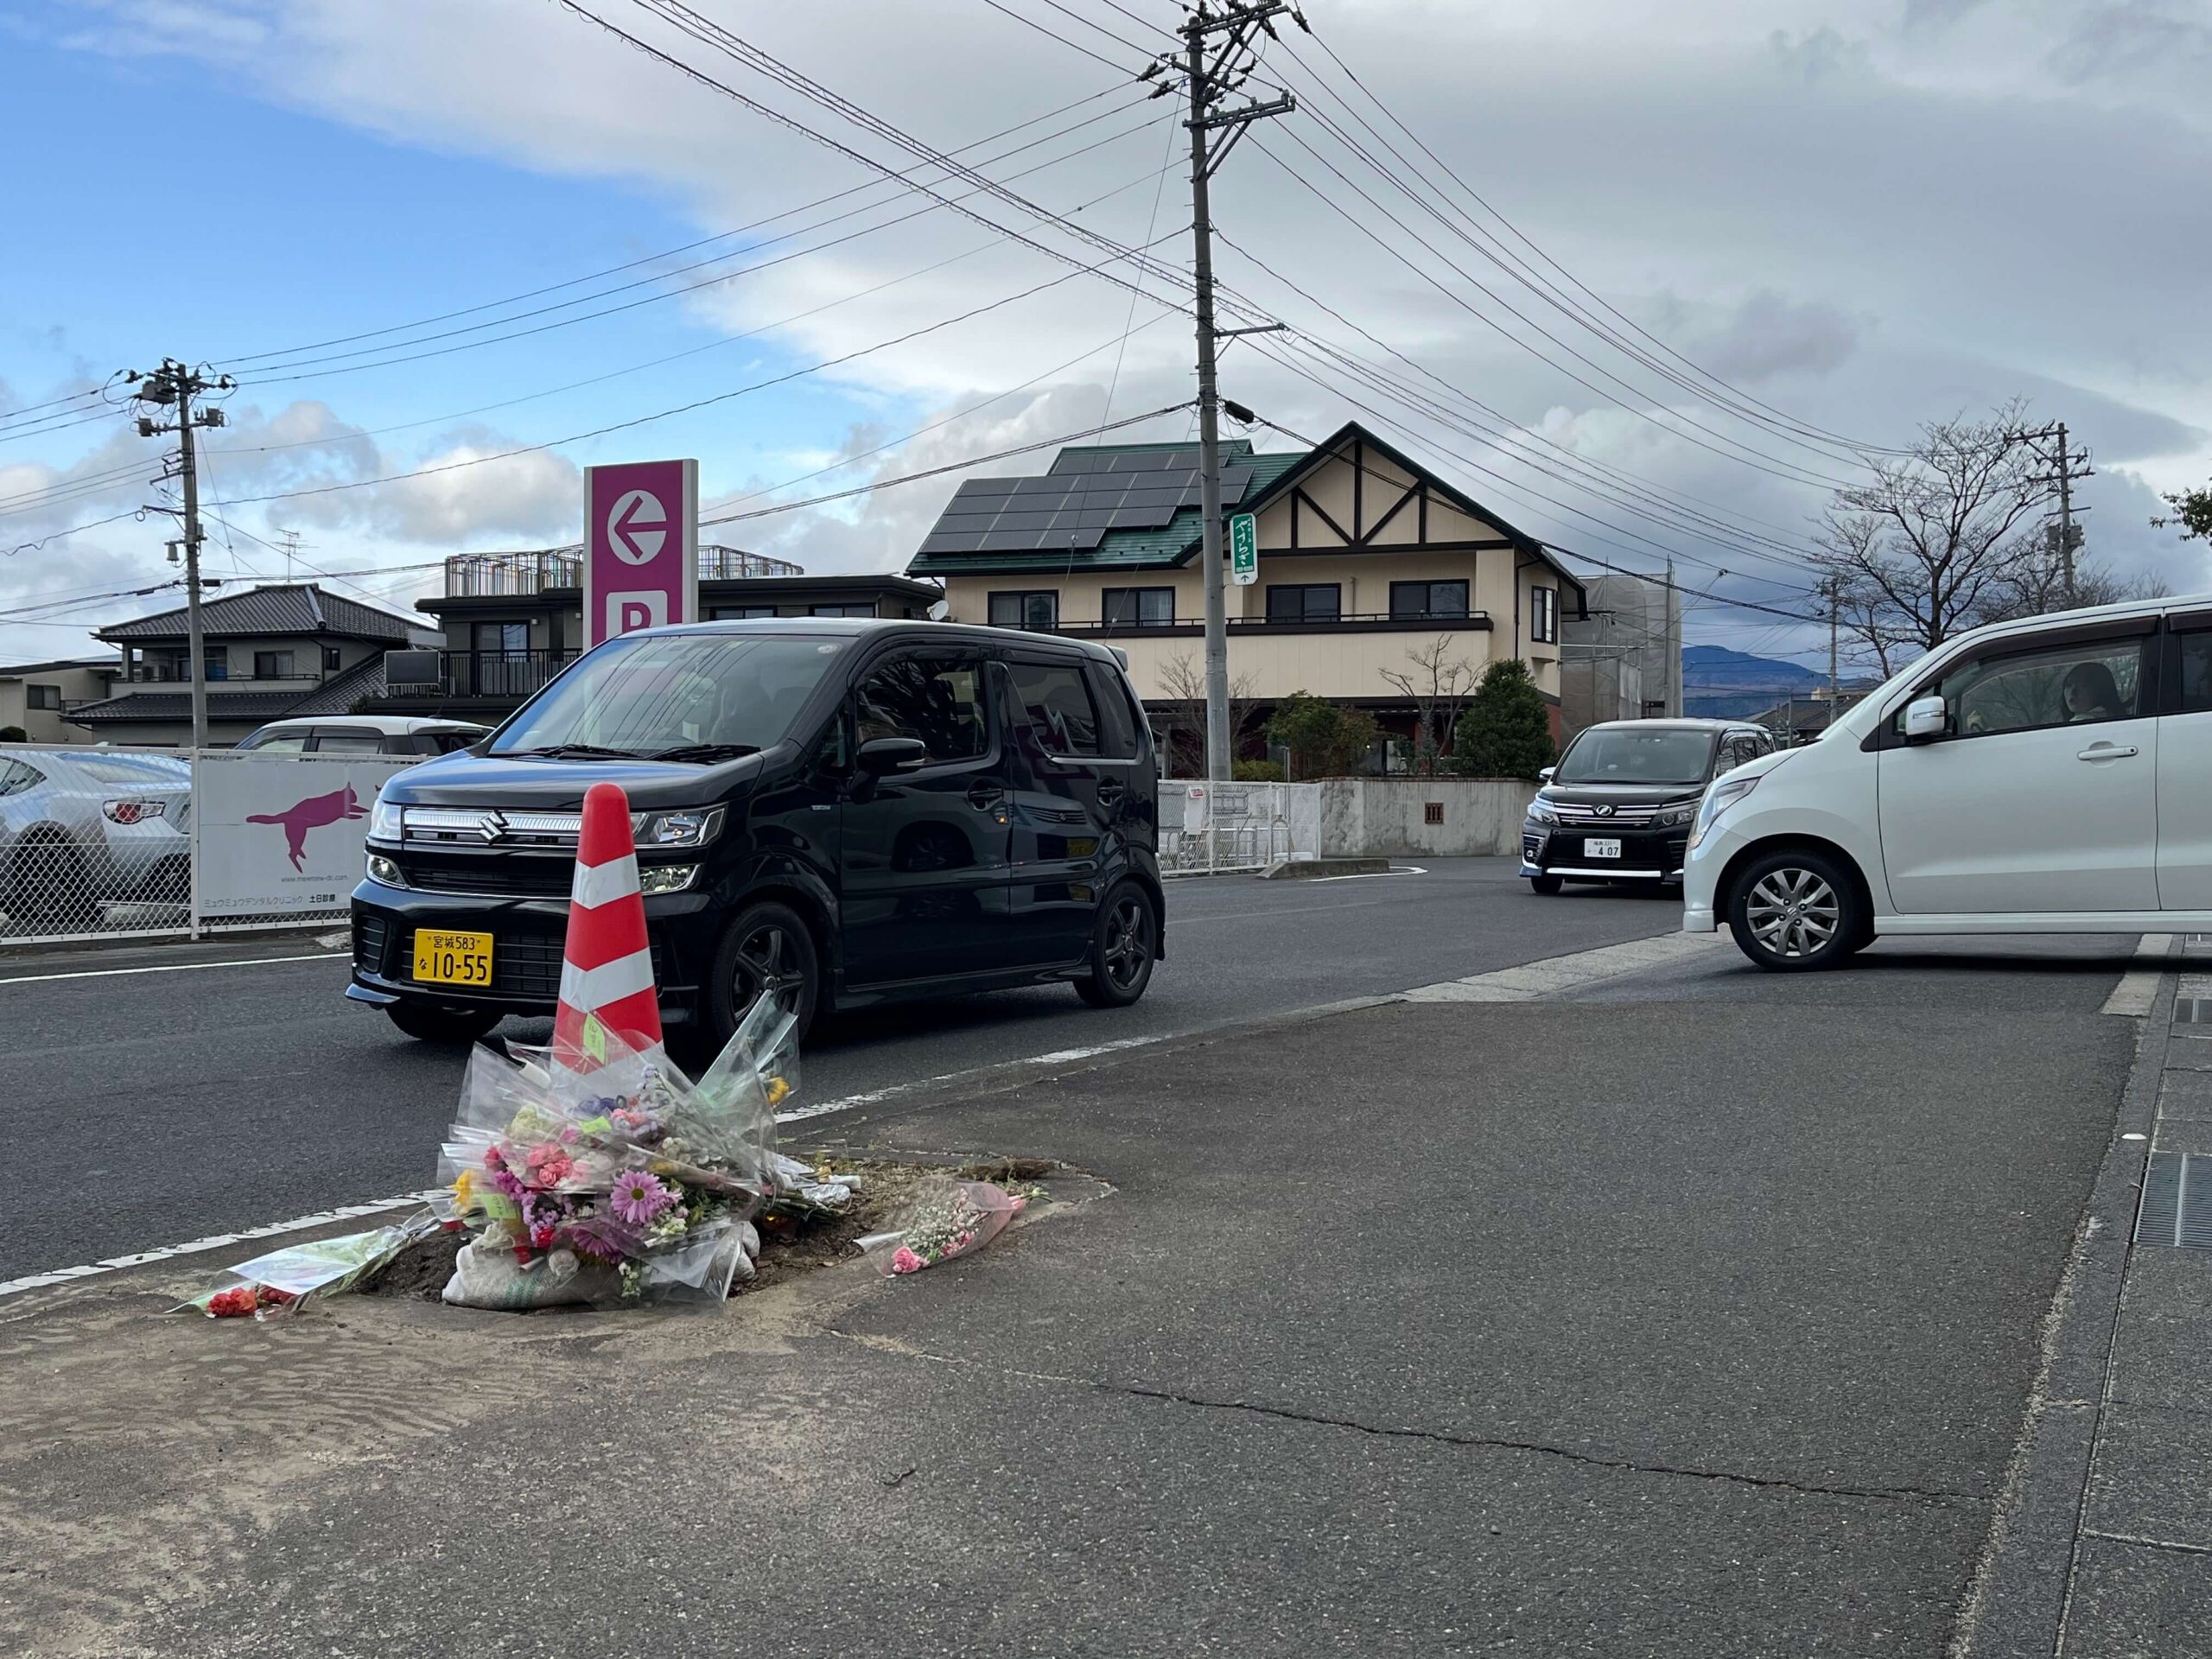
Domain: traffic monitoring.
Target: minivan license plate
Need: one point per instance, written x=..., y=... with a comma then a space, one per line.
x=444, y=958
x=1601, y=849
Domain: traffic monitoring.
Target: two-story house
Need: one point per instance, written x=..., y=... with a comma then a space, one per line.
x=511, y=621
x=1366, y=559
x=286, y=649
x=35, y=698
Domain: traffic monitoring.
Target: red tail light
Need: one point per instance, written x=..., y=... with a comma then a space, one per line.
x=132, y=811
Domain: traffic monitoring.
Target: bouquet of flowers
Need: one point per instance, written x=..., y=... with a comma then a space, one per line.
x=943, y=1218
x=624, y=1185
x=279, y=1282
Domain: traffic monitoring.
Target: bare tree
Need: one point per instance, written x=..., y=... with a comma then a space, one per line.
x=2034, y=584
x=1439, y=684
x=1184, y=720
x=1919, y=552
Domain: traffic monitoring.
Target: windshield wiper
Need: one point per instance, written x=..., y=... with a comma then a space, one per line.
x=705, y=752
x=575, y=752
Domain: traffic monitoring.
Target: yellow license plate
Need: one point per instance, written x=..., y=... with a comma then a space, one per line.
x=444, y=958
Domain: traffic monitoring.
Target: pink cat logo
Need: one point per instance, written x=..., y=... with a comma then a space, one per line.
x=312, y=814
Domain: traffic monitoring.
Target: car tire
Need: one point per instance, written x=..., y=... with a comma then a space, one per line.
x=1793, y=911
x=1546, y=884
x=49, y=886
x=1124, y=945
x=769, y=944
x=432, y=1024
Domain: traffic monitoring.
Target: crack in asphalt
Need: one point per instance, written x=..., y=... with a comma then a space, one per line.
x=1437, y=1437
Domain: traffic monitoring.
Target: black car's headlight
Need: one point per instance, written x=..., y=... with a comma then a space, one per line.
x=1673, y=818
x=1539, y=812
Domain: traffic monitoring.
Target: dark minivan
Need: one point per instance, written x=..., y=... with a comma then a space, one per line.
x=841, y=811
x=1619, y=804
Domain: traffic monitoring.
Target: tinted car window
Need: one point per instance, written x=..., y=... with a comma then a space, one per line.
x=2195, y=689
x=1625, y=755
x=937, y=700
x=2079, y=683
x=647, y=693
x=1055, y=706
x=349, y=743
x=1117, y=728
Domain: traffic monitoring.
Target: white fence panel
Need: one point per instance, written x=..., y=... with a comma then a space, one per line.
x=279, y=837
x=1208, y=829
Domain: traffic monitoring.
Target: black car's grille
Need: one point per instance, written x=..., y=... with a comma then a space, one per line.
x=1645, y=853
x=506, y=874
x=525, y=964
x=1585, y=816
x=371, y=934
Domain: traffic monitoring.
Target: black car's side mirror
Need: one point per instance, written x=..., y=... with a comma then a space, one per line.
x=882, y=755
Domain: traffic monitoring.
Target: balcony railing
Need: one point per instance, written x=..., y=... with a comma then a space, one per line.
x=1379, y=622
x=217, y=674
x=513, y=674
x=479, y=575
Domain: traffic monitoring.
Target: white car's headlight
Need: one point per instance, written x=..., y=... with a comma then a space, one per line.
x=690, y=827
x=383, y=821
x=1718, y=799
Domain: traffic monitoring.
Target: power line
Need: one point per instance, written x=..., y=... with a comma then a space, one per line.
x=1096, y=57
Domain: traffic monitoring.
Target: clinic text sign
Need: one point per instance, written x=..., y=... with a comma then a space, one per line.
x=641, y=547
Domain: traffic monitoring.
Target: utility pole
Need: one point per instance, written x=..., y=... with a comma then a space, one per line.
x=2066, y=468
x=174, y=386
x=1211, y=78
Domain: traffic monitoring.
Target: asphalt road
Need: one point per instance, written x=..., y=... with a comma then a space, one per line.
x=1693, y=1314
x=214, y=1098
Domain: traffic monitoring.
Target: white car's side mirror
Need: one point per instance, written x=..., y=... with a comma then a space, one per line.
x=1926, y=717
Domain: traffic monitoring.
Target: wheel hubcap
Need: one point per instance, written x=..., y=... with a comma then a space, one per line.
x=768, y=962
x=1793, y=912
x=1129, y=943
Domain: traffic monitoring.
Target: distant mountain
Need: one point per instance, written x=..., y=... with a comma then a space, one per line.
x=1719, y=683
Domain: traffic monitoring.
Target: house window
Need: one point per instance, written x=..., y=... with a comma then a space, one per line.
x=738, y=612
x=1313, y=601
x=1039, y=611
x=1139, y=608
x=43, y=696
x=272, y=664
x=1543, y=615
x=1442, y=599
x=840, y=610
x=330, y=660
x=216, y=660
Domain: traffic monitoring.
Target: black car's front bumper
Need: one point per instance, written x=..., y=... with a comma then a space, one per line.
x=1645, y=855
x=528, y=935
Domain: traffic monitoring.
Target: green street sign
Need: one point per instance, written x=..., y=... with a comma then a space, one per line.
x=1244, y=549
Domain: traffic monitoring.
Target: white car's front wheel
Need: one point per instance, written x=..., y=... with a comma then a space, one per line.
x=1796, y=910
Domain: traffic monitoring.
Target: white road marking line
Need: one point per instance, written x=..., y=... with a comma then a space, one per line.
x=2139, y=987
x=215, y=1241
x=1554, y=974
x=170, y=967
x=1058, y=1057
x=1371, y=876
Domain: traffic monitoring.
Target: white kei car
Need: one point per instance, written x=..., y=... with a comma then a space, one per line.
x=2052, y=775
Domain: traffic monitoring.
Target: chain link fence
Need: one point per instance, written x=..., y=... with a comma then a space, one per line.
x=104, y=843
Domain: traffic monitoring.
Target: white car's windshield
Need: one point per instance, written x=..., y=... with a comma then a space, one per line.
x=1627, y=756
x=673, y=694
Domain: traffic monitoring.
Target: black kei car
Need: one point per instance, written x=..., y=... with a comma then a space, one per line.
x=840, y=811
x=1619, y=804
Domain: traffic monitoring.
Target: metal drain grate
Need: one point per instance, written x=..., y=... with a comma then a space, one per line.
x=2177, y=1206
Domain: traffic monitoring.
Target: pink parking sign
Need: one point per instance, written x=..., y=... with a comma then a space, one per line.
x=641, y=547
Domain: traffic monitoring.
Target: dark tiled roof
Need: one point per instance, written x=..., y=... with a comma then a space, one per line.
x=177, y=706
x=301, y=608
x=335, y=696
x=8, y=670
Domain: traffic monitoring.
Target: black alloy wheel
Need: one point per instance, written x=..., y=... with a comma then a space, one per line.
x=1124, y=944
x=768, y=951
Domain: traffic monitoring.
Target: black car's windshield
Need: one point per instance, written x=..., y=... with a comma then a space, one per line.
x=691, y=696
x=1634, y=757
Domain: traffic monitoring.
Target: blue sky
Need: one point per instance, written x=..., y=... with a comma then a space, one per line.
x=221, y=178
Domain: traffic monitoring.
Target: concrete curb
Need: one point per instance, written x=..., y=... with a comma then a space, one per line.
x=1306, y=870
x=2016, y=1602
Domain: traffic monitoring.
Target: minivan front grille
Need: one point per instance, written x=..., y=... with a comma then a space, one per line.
x=1625, y=817
x=498, y=874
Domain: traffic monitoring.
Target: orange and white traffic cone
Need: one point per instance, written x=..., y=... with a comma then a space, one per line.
x=607, y=968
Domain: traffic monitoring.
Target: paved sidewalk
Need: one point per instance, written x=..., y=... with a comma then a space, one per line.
x=1696, y=1326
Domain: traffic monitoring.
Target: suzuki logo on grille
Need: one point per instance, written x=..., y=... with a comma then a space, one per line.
x=1603, y=811
x=492, y=827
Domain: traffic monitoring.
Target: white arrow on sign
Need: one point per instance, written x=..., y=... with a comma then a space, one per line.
x=637, y=528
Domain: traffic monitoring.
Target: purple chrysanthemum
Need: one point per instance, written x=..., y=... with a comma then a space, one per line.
x=638, y=1197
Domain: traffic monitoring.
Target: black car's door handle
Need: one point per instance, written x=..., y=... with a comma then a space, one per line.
x=983, y=794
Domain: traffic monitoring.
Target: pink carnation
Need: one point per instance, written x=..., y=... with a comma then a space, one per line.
x=904, y=1261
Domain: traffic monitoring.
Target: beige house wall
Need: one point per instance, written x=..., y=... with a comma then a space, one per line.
x=1343, y=660
x=45, y=725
